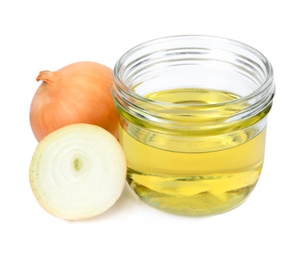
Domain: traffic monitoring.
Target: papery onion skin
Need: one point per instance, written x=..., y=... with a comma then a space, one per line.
x=77, y=93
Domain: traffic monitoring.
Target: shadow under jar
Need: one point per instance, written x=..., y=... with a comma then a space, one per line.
x=192, y=121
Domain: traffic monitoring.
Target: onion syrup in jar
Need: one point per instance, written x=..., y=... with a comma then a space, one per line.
x=192, y=120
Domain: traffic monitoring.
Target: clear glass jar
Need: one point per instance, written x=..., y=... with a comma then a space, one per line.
x=193, y=114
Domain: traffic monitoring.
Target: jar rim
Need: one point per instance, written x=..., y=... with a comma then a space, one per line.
x=216, y=39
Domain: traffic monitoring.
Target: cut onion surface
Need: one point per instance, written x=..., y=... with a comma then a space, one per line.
x=78, y=171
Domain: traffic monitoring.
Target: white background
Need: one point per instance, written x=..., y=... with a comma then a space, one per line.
x=47, y=35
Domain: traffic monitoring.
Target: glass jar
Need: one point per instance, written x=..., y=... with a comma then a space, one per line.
x=192, y=121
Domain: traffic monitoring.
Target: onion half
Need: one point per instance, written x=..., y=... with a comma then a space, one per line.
x=78, y=171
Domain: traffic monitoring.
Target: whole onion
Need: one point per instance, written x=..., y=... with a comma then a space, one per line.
x=77, y=93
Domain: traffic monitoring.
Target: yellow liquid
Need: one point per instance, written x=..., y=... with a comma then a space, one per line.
x=193, y=183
